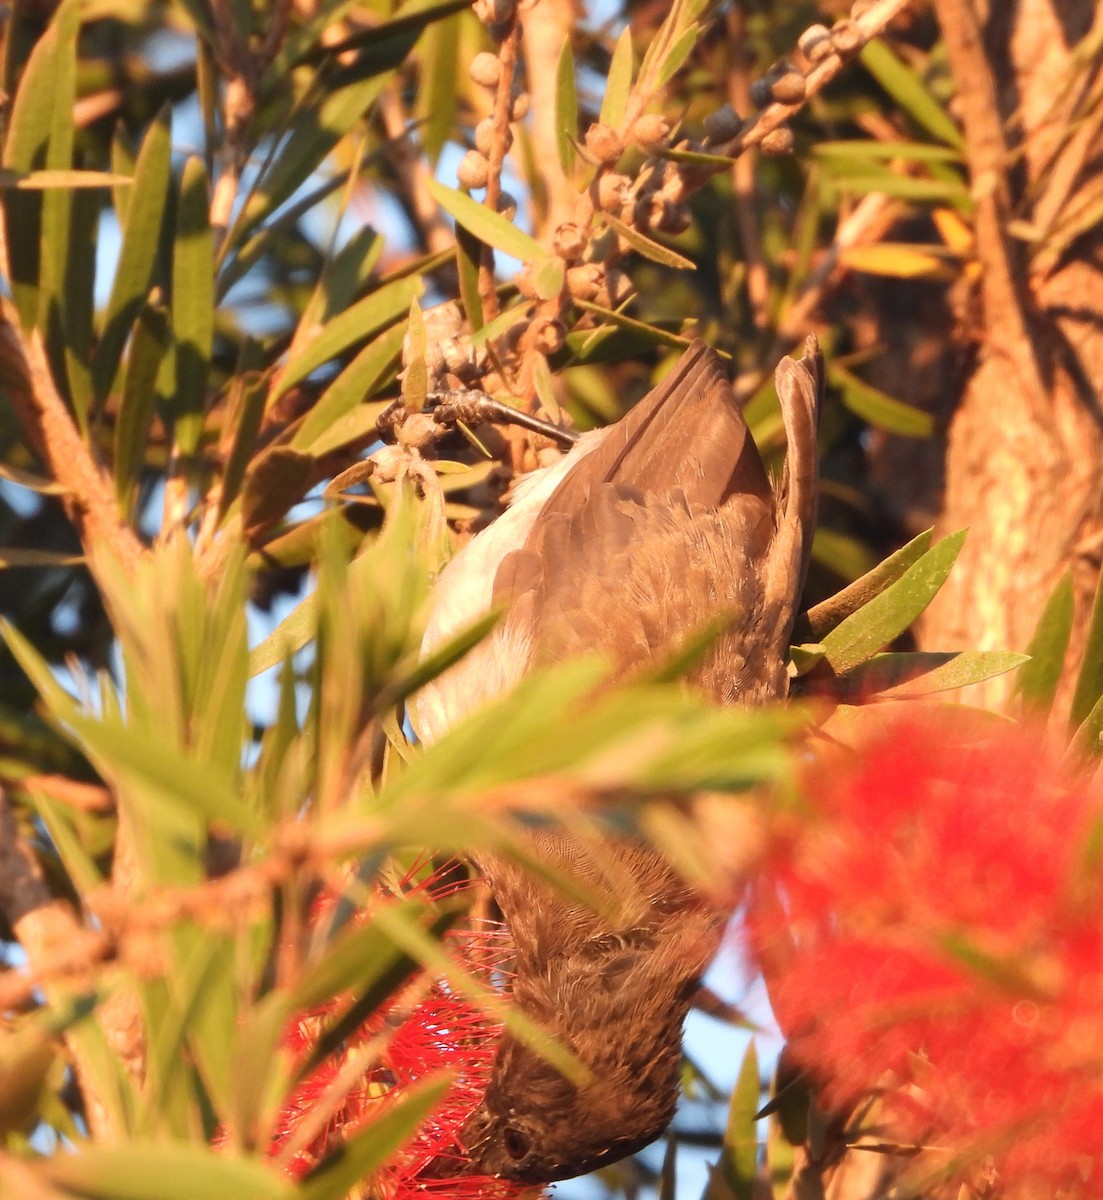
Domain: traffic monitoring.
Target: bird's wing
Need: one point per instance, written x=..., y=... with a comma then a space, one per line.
x=688, y=433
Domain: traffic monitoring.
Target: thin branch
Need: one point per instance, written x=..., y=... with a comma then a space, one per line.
x=503, y=104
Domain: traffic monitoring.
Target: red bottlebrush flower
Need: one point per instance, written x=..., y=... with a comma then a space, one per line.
x=936, y=918
x=442, y=1031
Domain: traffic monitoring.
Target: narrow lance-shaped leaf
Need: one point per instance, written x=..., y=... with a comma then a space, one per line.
x=369, y=1149
x=348, y=390
x=739, y=1156
x=355, y=324
x=677, y=55
x=566, y=108
x=28, y=137
x=1089, y=683
x=1037, y=682
x=889, y=614
x=490, y=227
x=823, y=617
x=57, y=204
x=163, y=1171
x=468, y=256
x=902, y=676
x=618, y=83
x=193, y=304
x=138, y=255
x=910, y=92
x=879, y=408
x=148, y=347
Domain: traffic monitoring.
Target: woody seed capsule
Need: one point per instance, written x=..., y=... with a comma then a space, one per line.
x=549, y=337
x=815, y=43
x=486, y=69
x=584, y=281
x=604, y=144
x=846, y=37
x=778, y=141
x=723, y=124
x=474, y=170
x=519, y=107
x=651, y=130
x=788, y=88
x=569, y=242
x=760, y=93
x=613, y=192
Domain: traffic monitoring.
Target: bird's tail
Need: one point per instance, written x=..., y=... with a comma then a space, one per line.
x=800, y=389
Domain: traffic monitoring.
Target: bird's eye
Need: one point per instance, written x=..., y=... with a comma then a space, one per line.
x=516, y=1143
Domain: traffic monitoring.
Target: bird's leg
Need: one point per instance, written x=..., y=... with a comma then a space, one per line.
x=462, y=406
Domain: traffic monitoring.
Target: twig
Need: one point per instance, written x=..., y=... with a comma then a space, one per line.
x=743, y=184
x=503, y=103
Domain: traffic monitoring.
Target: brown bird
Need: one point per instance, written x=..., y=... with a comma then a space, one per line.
x=645, y=532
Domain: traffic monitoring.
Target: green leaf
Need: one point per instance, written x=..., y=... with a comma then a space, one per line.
x=845, y=555
x=134, y=273
x=468, y=256
x=245, y=411
x=668, y=1174
x=1089, y=683
x=804, y=657
x=902, y=187
x=676, y=56
x=415, y=383
x=1037, y=682
x=910, y=92
x=57, y=204
x=902, y=676
x=38, y=113
x=879, y=408
x=33, y=556
x=375, y=311
x=566, y=108
x=739, y=1155
x=649, y=248
x=67, y=179
x=383, y=46
x=618, y=83
x=148, y=348
x=26, y=1057
x=861, y=150
x=884, y=618
x=370, y=1149
x=164, y=1171
x=489, y=227
x=821, y=619
x=654, y=335
x=439, y=74
x=348, y=390
x=193, y=304
x=1087, y=741
x=123, y=162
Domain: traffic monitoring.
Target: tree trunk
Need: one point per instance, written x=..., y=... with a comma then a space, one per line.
x=1024, y=464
